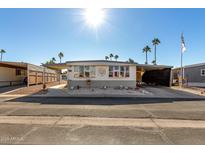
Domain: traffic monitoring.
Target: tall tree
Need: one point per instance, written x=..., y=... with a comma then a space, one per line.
x=116, y=57
x=146, y=49
x=106, y=57
x=2, y=52
x=53, y=60
x=131, y=61
x=111, y=56
x=155, y=42
x=60, y=55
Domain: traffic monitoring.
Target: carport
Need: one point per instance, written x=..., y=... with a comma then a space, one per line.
x=56, y=66
x=59, y=67
x=154, y=74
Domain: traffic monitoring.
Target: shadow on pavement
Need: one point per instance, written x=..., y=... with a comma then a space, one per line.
x=10, y=88
x=100, y=100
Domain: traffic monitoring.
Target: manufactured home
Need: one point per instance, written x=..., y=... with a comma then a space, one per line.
x=19, y=73
x=194, y=75
x=104, y=73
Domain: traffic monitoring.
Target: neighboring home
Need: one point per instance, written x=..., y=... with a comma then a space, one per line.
x=103, y=73
x=12, y=73
x=17, y=73
x=194, y=75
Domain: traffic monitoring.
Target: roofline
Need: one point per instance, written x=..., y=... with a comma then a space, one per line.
x=13, y=62
x=120, y=62
x=148, y=65
x=106, y=61
x=192, y=65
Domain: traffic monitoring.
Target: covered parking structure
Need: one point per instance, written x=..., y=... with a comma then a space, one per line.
x=19, y=73
x=59, y=67
x=154, y=74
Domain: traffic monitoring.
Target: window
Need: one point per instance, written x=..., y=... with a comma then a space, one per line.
x=119, y=71
x=202, y=72
x=81, y=71
x=18, y=72
x=92, y=71
x=76, y=69
x=87, y=71
x=122, y=71
x=116, y=71
x=127, y=71
x=84, y=71
x=110, y=71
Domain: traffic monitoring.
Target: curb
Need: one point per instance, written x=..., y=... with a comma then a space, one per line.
x=108, y=97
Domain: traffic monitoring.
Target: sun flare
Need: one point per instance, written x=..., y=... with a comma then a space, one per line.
x=94, y=16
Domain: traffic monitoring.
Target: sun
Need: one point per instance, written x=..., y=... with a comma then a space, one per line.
x=94, y=16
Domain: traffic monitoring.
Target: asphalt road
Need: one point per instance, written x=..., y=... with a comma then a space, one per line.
x=83, y=133
x=42, y=134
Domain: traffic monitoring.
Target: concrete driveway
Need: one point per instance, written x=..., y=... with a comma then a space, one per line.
x=167, y=92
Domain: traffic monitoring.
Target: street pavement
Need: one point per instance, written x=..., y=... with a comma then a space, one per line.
x=29, y=120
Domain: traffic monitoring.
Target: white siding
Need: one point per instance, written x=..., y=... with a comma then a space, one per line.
x=99, y=76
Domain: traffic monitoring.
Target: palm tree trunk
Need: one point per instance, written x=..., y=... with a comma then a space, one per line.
x=60, y=60
x=155, y=55
x=146, y=58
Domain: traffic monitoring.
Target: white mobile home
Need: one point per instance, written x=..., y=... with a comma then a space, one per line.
x=101, y=73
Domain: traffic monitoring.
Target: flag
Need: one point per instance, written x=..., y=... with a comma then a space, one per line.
x=183, y=48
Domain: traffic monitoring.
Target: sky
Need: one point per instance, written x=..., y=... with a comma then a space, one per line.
x=37, y=35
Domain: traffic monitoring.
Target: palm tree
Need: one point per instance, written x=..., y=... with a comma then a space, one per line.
x=116, y=57
x=2, y=52
x=111, y=56
x=106, y=57
x=60, y=55
x=155, y=42
x=154, y=62
x=53, y=60
x=146, y=49
x=131, y=61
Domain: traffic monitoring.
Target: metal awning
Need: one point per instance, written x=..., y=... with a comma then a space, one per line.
x=58, y=66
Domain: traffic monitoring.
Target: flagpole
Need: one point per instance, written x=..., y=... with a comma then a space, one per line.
x=182, y=51
x=181, y=68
